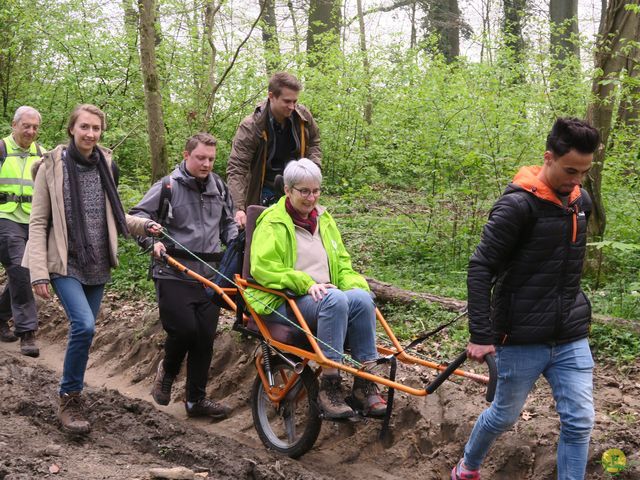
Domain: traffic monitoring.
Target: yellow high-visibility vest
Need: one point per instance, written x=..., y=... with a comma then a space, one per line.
x=16, y=184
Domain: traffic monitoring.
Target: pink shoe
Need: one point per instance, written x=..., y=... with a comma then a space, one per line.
x=459, y=472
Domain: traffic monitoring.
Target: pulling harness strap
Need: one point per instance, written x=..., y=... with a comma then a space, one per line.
x=185, y=254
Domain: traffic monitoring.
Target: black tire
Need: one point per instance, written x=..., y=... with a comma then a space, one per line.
x=298, y=412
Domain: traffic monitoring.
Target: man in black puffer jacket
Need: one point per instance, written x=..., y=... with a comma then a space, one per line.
x=525, y=301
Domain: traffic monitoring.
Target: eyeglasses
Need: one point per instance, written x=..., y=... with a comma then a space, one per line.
x=306, y=192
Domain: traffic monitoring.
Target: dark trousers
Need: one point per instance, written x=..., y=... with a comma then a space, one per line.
x=190, y=320
x=16, y=300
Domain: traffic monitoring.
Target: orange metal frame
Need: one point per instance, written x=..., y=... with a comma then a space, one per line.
x=277, y=393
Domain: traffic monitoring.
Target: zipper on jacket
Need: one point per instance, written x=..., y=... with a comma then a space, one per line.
x=570, y=238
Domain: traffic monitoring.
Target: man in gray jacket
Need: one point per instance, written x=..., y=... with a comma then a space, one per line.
x=195, y=208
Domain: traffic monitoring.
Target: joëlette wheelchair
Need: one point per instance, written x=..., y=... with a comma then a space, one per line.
x=284, y=394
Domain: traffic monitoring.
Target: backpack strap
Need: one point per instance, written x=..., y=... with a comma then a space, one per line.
x=3, y=151
x=164, y=204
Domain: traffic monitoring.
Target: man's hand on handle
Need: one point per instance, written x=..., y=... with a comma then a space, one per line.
x=159, y=249
x=477, y=352
x=241, y=218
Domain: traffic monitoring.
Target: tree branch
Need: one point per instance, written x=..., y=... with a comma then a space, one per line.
x=395, y=5
x=231, y=65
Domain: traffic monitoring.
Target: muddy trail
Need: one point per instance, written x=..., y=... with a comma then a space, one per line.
x=130, y=434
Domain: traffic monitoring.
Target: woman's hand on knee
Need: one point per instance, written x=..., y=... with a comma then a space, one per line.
x=319, y=290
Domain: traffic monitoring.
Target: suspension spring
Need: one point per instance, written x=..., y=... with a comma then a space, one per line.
x=266, y=361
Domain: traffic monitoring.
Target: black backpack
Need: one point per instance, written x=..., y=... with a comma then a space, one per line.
x=232, y=258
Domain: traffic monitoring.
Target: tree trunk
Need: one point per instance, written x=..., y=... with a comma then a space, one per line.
x=131, y=32
x=368, y=106
x=629, y=109
x=564, y=29
x=414, y=30
x=618, y=30
x=324, y=28
x=443, y=19
x=270, y=37
x=152, y=95
x=512, y=23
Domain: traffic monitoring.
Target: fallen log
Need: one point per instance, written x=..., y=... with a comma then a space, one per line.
x=387, y=293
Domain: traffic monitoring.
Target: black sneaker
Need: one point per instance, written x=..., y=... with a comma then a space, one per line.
x=6, y=335
x=162, y=384
x=207, y=408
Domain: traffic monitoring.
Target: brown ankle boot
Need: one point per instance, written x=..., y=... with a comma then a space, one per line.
x=366, y=397
x=28, y=345
x=6, y=335
x=331, y=398
x=71, y=414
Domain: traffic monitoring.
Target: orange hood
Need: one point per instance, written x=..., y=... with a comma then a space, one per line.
x=527, y=178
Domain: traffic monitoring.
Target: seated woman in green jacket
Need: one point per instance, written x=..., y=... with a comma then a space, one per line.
x=297, y=246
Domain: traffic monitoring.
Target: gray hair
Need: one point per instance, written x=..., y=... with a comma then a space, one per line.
x=25, y=109
x=300, y=170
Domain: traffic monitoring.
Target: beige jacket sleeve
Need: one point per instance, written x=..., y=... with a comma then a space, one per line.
x=137, y=225
x=35, y=256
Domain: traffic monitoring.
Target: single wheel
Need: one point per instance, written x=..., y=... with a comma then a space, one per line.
x=291, y=427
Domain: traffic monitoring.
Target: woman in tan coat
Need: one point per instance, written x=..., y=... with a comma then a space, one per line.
x=75, y=219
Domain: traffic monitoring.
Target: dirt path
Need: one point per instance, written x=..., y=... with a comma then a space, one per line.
x=130, y=434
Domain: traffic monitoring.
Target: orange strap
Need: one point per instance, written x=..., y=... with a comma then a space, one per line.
x=302, y=143
x=574, y=235
x=264, y=158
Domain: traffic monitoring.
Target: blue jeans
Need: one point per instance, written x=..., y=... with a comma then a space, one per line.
x=568, y=368
x=340, y=316
x=81, y=303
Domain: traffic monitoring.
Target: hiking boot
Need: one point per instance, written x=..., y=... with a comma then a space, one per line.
x=206, y=408
x=460, y=472
x=6, y=335
x=28, y=345
x=71, y=414
x=366, y=397
x=161, y=391
x=331, y=398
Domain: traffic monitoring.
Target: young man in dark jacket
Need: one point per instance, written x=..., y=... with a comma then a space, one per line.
x=199, y=215
x=278, y=131
x=525, y=301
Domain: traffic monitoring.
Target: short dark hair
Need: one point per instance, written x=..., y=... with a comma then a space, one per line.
x=202, y=137
x=572, y=133
x=281, y=80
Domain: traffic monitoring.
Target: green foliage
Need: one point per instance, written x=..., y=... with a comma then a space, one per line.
x=614, y=342
x=131, y=275
x=409, y=321
x=411, y=190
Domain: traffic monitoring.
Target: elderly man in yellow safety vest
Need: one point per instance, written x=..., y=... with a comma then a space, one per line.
x=18, y=152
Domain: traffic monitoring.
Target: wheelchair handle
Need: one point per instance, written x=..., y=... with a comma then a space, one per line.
x=493, y=375
x=490, y=359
